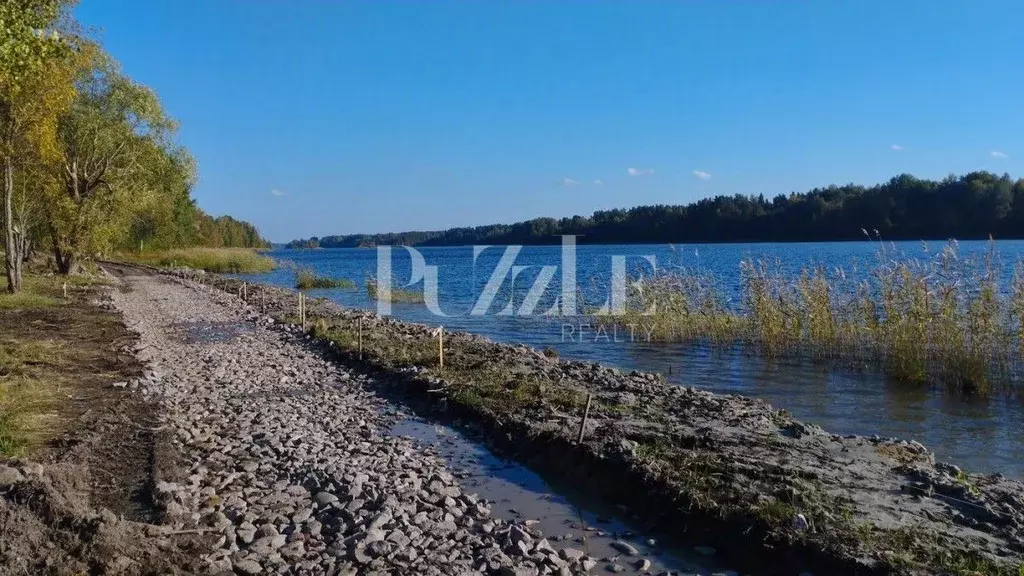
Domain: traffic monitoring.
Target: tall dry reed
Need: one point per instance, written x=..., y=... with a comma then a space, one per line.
x=938, y=318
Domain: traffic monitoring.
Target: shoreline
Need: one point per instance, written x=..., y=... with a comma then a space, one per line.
x=705, y=467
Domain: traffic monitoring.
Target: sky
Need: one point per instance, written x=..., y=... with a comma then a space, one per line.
x=317, y=117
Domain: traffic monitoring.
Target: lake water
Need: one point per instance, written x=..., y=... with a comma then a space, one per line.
x=982, y=435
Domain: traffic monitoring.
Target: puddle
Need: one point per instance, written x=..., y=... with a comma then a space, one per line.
x=516, y=493
x=212, y=332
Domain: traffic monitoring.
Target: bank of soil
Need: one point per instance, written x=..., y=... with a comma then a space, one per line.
x=79, y=499
x=728, y=471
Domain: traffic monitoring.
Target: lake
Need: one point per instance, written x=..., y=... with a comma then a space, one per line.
x=982, y=435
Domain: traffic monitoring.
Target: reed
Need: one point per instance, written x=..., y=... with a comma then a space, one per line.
x=937, y=319
x=306, y=279
x=398, y=295
x=216, y=260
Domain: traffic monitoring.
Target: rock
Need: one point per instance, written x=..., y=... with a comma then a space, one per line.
x=625, y=547
x=800, y=523
x=518, y=535
x=571, y=554
x=266, y=545
x=325, y=498
x=246, y=532
x=9, y=476
x=247, y=567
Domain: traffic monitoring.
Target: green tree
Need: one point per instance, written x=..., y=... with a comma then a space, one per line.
x=114, y=142
x=32, y=94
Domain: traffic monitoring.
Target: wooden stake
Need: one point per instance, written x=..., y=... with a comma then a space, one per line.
x=586, y=415
x=440, y=346
x=65, y=290
x=263, y=300
x=302, y=299
x=360, y=337
x=245, y=291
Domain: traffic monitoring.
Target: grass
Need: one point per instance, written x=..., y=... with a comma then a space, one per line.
x=45, y=291
x=398, y=295
x=306, y=279
x=215, y=260
x=939, y=318
x=23, y=399
x=483, y=386
x=26, y=300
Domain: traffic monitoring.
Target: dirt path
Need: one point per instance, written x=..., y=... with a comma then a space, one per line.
x=81, y=499
x=287, y=462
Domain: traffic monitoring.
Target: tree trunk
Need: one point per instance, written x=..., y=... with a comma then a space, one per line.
x=64, y=259
x=13, y=256
x=65, y=265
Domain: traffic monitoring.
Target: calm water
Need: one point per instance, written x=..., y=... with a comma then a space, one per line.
x=981, y=435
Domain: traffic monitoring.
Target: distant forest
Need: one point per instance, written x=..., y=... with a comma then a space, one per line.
x=975, y=205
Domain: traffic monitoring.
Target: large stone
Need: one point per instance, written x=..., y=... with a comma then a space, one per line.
x=9, y=475
x=248, y=567
x=625, y=547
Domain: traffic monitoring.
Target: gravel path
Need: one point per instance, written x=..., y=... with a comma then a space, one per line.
x=286, y=461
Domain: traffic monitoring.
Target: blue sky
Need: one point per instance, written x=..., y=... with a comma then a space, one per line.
x=311, y=117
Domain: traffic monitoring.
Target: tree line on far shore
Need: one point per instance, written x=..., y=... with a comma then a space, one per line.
x=974, y=205
x=89, y=157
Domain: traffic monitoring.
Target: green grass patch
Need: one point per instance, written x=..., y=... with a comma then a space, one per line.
x=26, y=300
x=215, y=260
x=45, y=291
x=398, y=295
x=306, y=279
x=482, y=386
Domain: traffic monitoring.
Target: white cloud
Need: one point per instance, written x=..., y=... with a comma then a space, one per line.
x=998, y=154
x=567, y=182
x=598, y=182
x=702, y=174
x=896, y=147
x=640, y=171
x=276, y=192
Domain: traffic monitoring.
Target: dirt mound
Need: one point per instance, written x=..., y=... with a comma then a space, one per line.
x=59, y=532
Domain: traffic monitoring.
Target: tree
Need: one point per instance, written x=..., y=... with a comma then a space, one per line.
x=972, y=206
x=33, y=92
x=114, y=143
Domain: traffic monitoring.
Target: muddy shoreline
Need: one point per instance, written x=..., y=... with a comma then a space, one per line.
x=728, y=472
